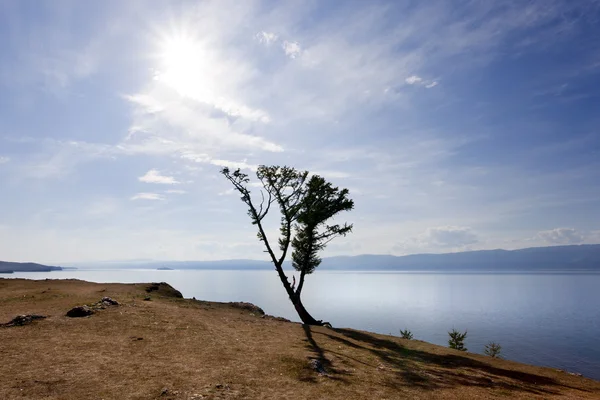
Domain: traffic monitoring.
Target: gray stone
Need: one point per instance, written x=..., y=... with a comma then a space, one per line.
x=79, y=311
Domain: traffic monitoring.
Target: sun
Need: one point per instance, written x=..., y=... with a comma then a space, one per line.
x=186, y=66
x=179, y=52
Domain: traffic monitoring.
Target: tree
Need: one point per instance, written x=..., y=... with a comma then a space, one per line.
x=406, y=334
x=493, y=349
x=457, y=340
x=306, y=205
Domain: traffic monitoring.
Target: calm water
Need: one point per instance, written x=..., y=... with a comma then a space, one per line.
x=543, y=319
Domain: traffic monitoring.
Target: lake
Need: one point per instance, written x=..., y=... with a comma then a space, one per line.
x=543, y=319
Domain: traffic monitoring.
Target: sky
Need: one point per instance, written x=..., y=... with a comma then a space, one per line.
x=456, y=125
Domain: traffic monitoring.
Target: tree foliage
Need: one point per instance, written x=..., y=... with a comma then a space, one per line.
x=321, y=202
x=457, y=340
x=493, y=350
x=306, y=206
x=406, y=334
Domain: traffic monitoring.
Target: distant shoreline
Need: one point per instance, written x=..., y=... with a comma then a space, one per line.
x=553, y=259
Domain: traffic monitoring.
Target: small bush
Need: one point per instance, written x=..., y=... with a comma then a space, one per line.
x=492, y=349
x=457, y=340
x=406, y=334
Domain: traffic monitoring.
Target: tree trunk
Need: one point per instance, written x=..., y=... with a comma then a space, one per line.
x=295, y=298
x=303, y=314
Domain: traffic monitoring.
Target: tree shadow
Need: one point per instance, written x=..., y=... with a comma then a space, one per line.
x=432, y=371
x=321, y=360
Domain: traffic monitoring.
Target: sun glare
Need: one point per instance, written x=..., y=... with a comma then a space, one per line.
x=197, y=70
x=179, y=52
x=185, y=67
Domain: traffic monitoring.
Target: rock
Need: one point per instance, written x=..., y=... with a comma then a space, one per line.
x=247, y=306
x=107, y=301
x=164, y=289
x=153, y=287
x=21, y=320
x=79, y=311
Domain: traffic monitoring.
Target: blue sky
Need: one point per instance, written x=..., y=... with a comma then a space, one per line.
x=456, y=125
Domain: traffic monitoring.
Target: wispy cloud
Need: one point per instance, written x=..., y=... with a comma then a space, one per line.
x=453, y=238
x=267, y=38
x=413, y=79
x=417, y=80
x=291, y=49
x=59, y=158
x=205, y=159
x=148, y=196
x=4, y=160
x=154, y=176
x=561, y=236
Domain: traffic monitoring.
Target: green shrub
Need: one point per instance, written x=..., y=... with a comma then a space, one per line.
x=457, y=340
x=492, y=349
x=406, y=334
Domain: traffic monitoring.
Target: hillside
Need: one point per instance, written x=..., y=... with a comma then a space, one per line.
x=7, y=267
x=560, y=258
x=175, y=348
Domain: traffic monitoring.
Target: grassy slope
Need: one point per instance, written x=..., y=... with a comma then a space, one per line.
x=199, y=350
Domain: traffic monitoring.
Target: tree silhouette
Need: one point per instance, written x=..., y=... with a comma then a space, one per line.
x=306, y=206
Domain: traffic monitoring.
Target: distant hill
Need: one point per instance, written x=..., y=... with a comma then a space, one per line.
x=7, y=267
x=555, y=258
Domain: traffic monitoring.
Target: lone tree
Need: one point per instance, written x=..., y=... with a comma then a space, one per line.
x=306, y=205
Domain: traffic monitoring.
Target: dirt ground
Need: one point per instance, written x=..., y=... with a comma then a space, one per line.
x=174, y=348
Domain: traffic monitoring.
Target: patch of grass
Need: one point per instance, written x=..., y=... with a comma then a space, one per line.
x=297, y=368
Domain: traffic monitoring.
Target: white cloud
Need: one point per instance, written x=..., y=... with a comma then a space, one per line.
x=175, y=191
x=203, y=158
x=148, y=196
x=561, y=236
x=154, y=176
x=417, y=80
x=4, y=160
x=162, y=116
x=292, y=49
x=411, y=80
x=450, y=236
x=234, y=164
x=267, y=38
x=436, y=239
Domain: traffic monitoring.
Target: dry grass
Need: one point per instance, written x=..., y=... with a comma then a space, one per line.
x=171, y=348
